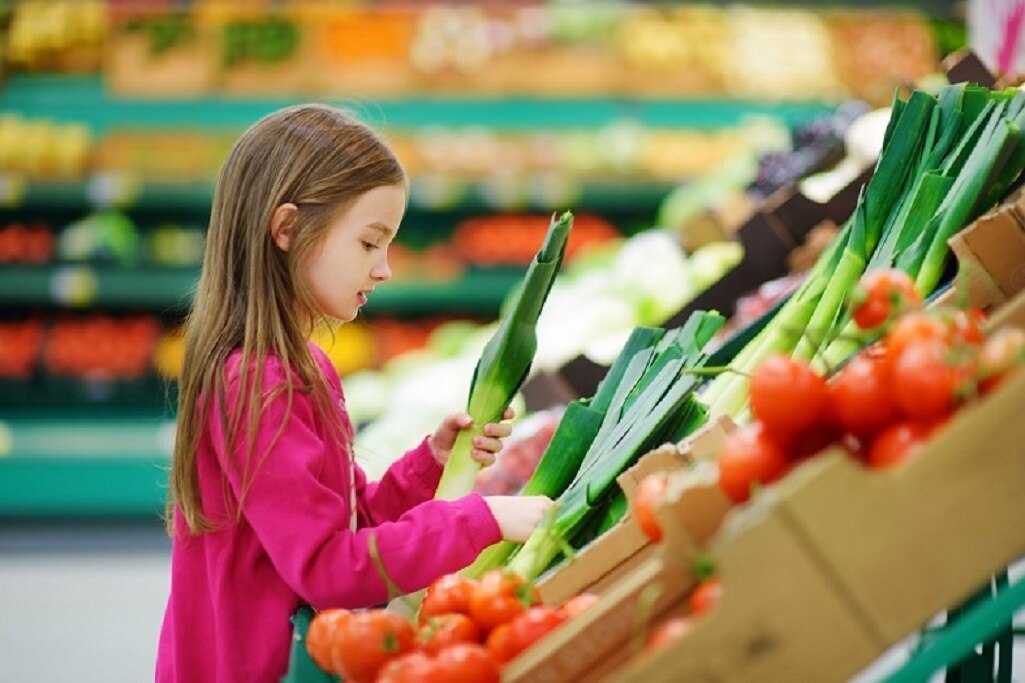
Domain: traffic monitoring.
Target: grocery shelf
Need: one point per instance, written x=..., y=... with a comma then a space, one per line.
x=96, y=285
x=83, y=99
x=477, y=291
x=69, y=465
x=433, y=193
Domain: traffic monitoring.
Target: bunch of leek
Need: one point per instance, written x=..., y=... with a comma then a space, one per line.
x=506, y=359
x=944, y=161
x=645, y=400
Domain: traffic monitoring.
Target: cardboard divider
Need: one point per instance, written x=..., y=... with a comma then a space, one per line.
x=991, y=257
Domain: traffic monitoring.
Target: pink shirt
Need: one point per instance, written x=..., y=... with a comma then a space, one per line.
x=233, y=590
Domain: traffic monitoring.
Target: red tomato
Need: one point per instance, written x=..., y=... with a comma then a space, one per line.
x=966, y=326
x=531, y=626
x=667, y=632
x=787, y=396
x=577, y=605
x=897, y=442
x=412, y=667
x=498, y=644
x=449, y=594
x=913, y=327
x=321, y=636
x=1002, y=352
x=749, y=455
x=447, y=629
x=501, y=596
x=705, y=595
x=650, y=492
x=813, y=440
x=366, y=641
x=466, y=663
x=926, y=380
x=862, y=397
x=882, y=295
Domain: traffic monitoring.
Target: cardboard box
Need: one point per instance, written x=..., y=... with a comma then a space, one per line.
x=887, y=551
x=909, y=542
x=599, y=640
x=780, y=617
x=991, y=257
x=620, y=550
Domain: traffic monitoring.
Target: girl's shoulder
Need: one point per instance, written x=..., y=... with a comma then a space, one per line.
x=327, y=368
x=274, y=370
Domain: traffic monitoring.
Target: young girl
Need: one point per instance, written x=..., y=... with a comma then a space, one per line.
x=267, y=508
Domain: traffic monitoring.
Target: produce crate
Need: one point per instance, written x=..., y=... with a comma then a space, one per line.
x=907, y=543
x=623, y=548
x=888, y=549
x=158, y=53
x=991, y=257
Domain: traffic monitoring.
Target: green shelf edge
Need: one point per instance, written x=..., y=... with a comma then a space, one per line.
x=83, y=99
x=83, y=463
x=428, y=195
x=83, y=286
x=82, y=487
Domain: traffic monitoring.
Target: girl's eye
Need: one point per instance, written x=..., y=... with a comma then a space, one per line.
x=369, y=246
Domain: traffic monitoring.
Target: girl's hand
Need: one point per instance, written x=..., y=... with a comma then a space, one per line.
x=485, y=446
x=518, y=516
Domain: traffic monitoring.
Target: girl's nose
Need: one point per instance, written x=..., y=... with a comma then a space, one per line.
x=381, y=271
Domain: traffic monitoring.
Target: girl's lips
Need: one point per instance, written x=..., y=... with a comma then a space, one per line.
x=362, y=299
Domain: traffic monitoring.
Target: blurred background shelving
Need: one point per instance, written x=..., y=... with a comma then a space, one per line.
x=114, y=117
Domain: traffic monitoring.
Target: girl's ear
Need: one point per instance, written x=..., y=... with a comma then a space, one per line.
x=282, y=225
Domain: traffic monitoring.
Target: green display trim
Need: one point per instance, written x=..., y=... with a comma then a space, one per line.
x=83, y=463
x=477, y=291
x=82, y=487
x=83, y=99
x=428, y=194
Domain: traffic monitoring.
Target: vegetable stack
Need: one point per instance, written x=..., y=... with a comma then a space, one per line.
x=645, y=399
x=506, y=358
x=944, y=160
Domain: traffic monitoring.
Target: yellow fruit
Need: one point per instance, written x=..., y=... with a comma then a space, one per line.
x=169, y=355
x=350, y=347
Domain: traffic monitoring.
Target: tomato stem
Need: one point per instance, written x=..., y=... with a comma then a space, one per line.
x=704, y=566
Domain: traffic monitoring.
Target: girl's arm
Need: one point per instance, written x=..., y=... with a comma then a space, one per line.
x=411, y=480
x=304, y=525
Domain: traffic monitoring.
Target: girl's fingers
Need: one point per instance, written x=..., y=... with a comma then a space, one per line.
x=499, y=431
x=508, y=414
x=485, y=458
x=484, y=443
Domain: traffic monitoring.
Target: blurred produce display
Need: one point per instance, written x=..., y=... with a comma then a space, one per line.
x=56, y=35
x=531, y=48
x=21, y=243
x=98, y=346
x=42, y=149
x=514, y=239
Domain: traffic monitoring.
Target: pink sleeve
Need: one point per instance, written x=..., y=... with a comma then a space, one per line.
x=411, y=480
x=303, y=524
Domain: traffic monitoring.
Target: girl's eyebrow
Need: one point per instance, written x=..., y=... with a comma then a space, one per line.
x=382, y=228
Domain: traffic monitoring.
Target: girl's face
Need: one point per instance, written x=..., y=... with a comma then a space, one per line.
x=354, y=256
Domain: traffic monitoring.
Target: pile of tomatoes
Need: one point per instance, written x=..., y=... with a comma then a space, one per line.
x=884, y=403
x=465, y=631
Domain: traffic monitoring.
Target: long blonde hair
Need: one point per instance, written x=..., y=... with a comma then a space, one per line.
x=251, y=295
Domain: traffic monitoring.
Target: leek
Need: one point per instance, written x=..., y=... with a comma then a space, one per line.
x=653, y=400
x=506, y=359
x=944, y=161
